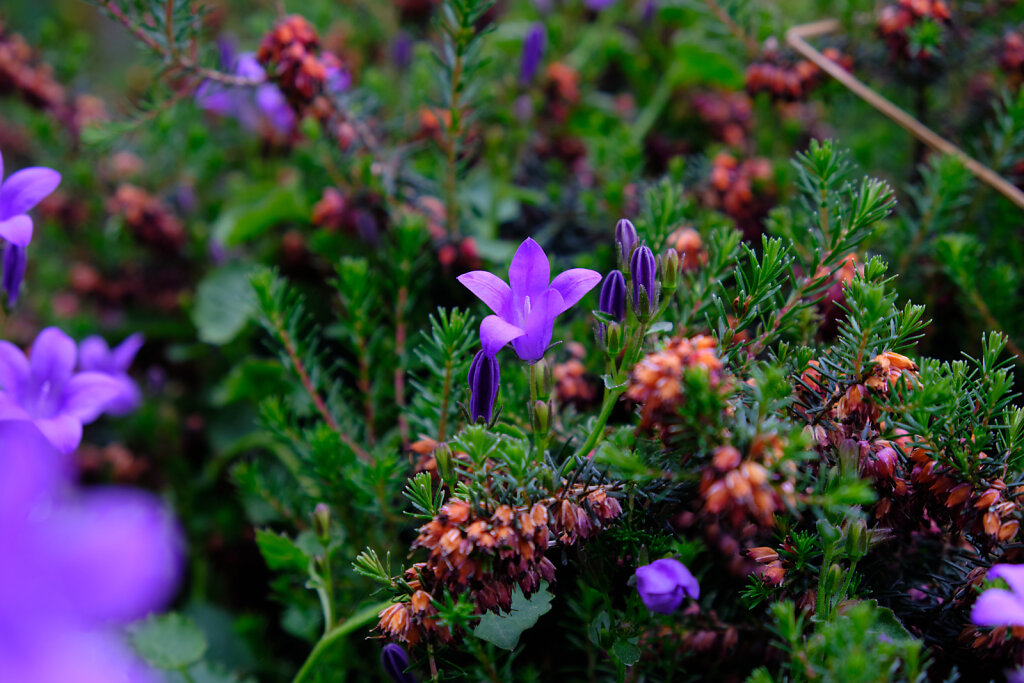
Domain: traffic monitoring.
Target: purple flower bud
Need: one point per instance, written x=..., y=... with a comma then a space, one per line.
x=625, y=239
x=395, y=662
x=598, y=5
x=484, y=378
x=644, y=269
x=612, y=299
x=533, y=52
x=15, y=259
x=401, y=50
x=663, y=584
x=648, y=12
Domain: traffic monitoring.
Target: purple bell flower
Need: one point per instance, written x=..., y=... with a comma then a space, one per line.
x=94, y=355
x=395, y=662
x=15, y=261
x=18, y=195
x=47, y=391
x=626, y=240
x=1000, y=607
x=484, y=380
x=253, y=108
x=643, y=268
x=533, y=53
x=663, y=584
x=76, y=565
x=525, y=309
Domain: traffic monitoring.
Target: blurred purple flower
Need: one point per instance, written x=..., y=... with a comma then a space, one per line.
x=48, y=392
x=533, y=52
x=598, y=5
x=15, y=261
x=94, y=355
x=524, y=313
x=402, y=50
x=75, y=565
x=18, y=195
x=1000, y=607
x=253, y=108
x=663, y=584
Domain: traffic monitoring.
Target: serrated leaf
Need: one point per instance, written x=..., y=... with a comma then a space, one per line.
x=280, y=552
x=170, y=642
x=224, y=303
x=626, y=652
x=504, y=630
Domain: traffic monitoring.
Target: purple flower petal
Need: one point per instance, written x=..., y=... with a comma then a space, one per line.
x=664, y=583
x=17, y=230
x=124, y=550
x=249, y=67
x=538, y=323
x=490, y=289
x=495, y=333
x=87, y=394
x=271, y=101
x=10, y=409
x=94, y=354
x=124, y=354
x=30, y=469
x=85, y=657
x=14, y=368
x=998, y=607
x=530, y=271
x=63, y=431
x=1, y=167
x=53, y=356
x=1013, y=574
x=573, y=284
x=26, y=188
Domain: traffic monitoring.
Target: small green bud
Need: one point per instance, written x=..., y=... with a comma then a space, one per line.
x=445, y=464
x=828, y=531
x=540, y=377
x=322, y=522
x=613, y=339
x=670, y=271
x=541, y=417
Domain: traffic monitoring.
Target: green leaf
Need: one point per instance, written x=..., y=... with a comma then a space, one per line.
x=658, y=328
x=503, y=630
x=265, y=207
x=626, y=651
x=280, y=552
x=170, y=642
x=224, y=303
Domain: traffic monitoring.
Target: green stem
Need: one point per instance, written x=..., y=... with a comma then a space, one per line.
x=330, y=637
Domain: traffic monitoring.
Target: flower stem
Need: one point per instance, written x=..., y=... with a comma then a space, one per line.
x=335, y=634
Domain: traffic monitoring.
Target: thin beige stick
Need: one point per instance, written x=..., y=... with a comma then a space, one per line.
x=796, y=38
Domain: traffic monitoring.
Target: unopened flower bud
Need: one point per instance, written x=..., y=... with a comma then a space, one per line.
x=857, y=540
x=533, y=52
x=612, y=299
x=670, y=271
x=445, y=464
x=484, y=378
x=625, y=240
x=322, y=522
x=395, y=662
x=613, y=344
x=15, y=260
x=541, y=417
x=541, y=378
x=644, y=269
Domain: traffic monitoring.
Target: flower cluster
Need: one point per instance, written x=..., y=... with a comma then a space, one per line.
x=147, y=217
x=24, y=74
x=743, y=190
x=790, y=81
x=727, y=114
x=1011, y=53
x=896, y=21
x=291, y=54
x=19, y=194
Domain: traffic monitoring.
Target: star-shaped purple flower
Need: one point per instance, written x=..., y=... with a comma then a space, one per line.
x=18, y=195
x=999, y=607
x=253, y=108
x=663, y=584
x=526, y=307
x=47, y=391
x=94, y=355
x=75, y=564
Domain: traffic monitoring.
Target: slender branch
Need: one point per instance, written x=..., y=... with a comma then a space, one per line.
x=748, y=42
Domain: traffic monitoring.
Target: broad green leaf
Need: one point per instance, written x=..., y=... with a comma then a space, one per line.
x=503, y=630
x=279, y=551
x=224, y=303
x=170, y=642
x=626, y=651
x=275, y=204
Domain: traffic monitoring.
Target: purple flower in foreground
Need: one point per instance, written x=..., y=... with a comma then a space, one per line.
x=484, y=380
x=526, y=307
x=18, y=195
x=75, y=565
x=48, y=392
x=395, y=662
x=663, y=584
x=533, y=52
x=1000, y=607
x=95, y=356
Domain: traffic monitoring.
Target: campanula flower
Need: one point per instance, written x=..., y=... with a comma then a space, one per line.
x=255, y=108
x=663, y=584
x=484, y=380
x=644, y=270
x=626, y=240
x=15, y=260
x=526, y=307
x=75, y=565
x=47, y=391
x=18, y=195
x=395, y=662
x=1000, y=607
x=612, y=299
x=95, y=356
x=533, y=52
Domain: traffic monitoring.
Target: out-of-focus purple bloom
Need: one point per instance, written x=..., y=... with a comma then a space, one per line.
x=523, y=108
x=47, y=391
x=626, y=240
x=533, y=52
x=15, y=261
x=18, y=195
x=648, y=12
x=1000, y=607
x=484, y=380
x=663, y=584
x=94, y=355
x=598, y=5
x=526, y=307
x=395, y=662
x=402, y=50
x=643, y=268
x=75, y=565
x=254, y=109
